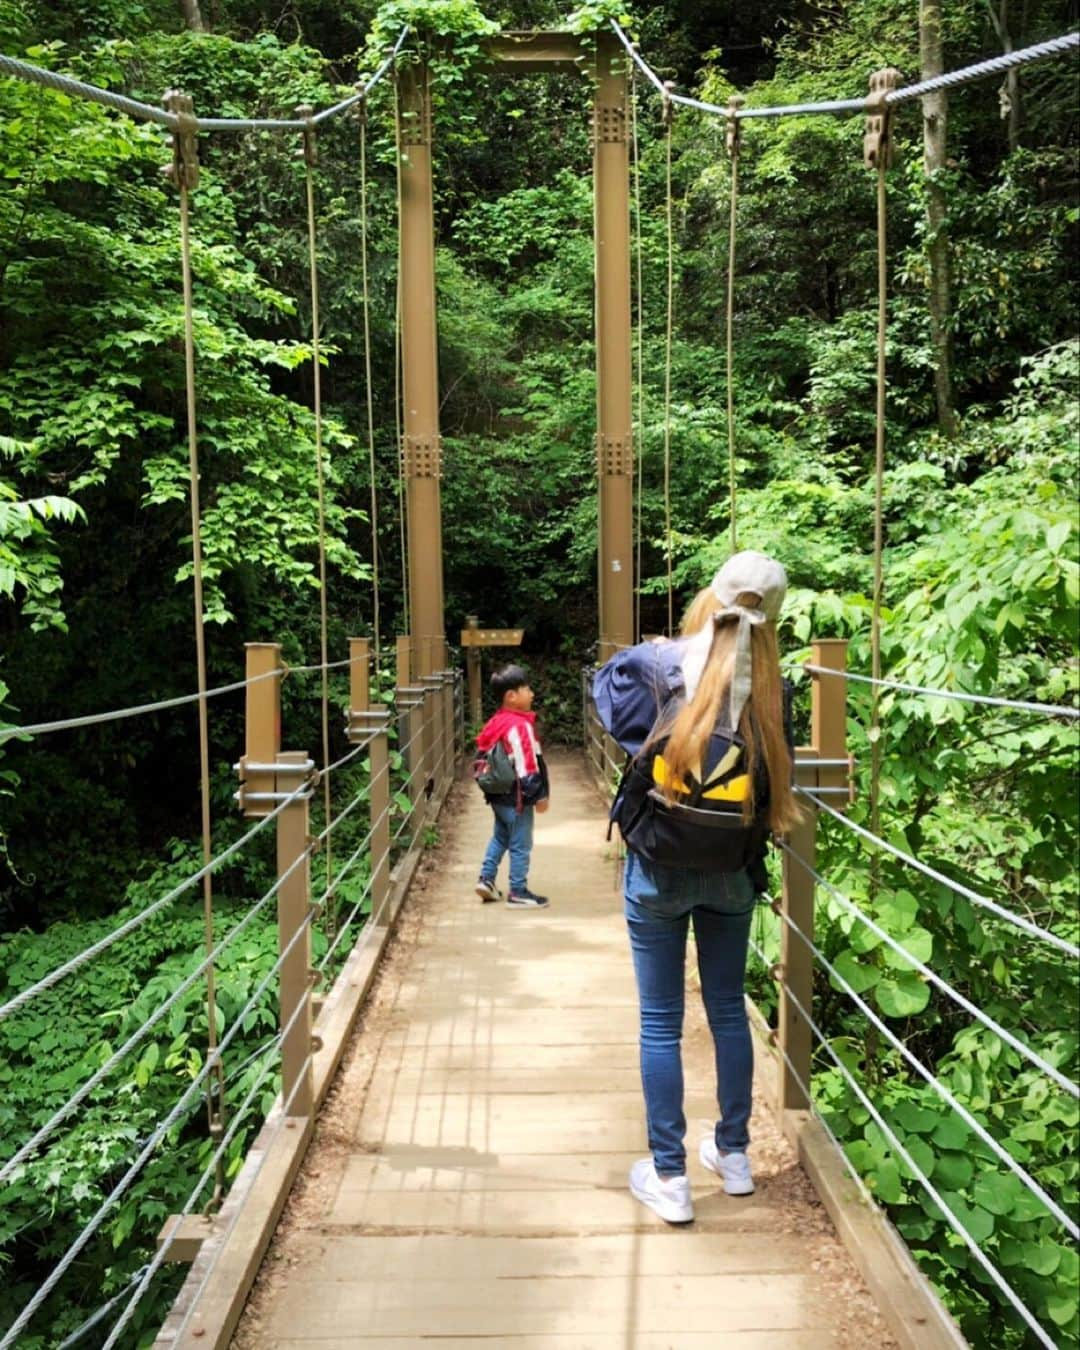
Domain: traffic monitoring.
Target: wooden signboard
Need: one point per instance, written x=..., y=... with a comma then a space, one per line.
x=492, y=637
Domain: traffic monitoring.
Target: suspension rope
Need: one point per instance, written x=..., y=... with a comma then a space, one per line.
x=1049, y=709
x=942, y=1091
x=374, y=509
x=733, y=148
x=639, y=346
x=399, y=426
x=309, y=152
x=965, y=75
x=1002, y=913
x=882, y=164
x=145, y=112
x=669, y=215
x=185, y=172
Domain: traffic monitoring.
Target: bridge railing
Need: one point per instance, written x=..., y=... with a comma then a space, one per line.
x=334, y=912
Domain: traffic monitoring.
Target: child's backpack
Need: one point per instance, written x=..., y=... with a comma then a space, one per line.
x=494, y=771
x=703, y=827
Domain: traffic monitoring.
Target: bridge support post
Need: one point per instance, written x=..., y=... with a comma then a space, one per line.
x=294, y=939
x=472, y=667
x=409, y=700
x=365, y=721
x=823, y=765
x=614, y=426
x=421, y=447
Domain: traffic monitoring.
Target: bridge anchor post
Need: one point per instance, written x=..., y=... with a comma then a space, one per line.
x=824, y=765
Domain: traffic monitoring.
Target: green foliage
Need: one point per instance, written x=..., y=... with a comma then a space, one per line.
x=980, y=564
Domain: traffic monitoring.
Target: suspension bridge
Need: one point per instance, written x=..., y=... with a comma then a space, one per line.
x=458, y=1100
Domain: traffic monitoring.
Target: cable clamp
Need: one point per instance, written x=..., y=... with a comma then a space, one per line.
x=877, y=142
x=733, y=138
x=308, y=152
x=184, y=169
x=777, y=972
x=667, y=107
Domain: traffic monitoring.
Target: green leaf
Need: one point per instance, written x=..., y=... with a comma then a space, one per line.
x=902, y=996
x=857, y=975
x=953, y=1169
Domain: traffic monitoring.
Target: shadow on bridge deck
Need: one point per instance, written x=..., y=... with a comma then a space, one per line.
x=468, y=1178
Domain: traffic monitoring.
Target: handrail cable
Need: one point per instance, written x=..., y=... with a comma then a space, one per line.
x=669, y=337
x=732, y=140
x=350, y=754
x=80, y=1095
x=639, y=346
x=368, y=382
x=964, y=75
x=8, y=733
x=939, y=1087
x=881, y=158
x=211, y=1065
x=146, y=112
x=103, y=944
x=902, y=1153
x=992, y=700
x=309, y=153
x=184, y=173
x=74, y=1337
x=1017, y=920
x=161, y=1255
x=1032, y=1056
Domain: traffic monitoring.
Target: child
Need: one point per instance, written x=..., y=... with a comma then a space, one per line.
x=513, y=725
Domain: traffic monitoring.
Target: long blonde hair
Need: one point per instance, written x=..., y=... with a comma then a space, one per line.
x=762, y=721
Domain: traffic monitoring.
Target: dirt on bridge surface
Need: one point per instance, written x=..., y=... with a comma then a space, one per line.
x=467, y=1182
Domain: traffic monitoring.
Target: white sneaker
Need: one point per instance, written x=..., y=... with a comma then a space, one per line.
x=732, y=1168
x=667, y=1196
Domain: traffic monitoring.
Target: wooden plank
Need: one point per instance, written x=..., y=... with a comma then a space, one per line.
x=533, y=53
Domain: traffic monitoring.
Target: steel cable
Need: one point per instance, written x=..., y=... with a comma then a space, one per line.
x=80, y=1095
x=990, y=700
x=1032, y=1056
x=212, y=1064
x=939, y=1087
x=1028, y=927
x=146, y=112
x=903, y=1154
x=96, y=948
x=965, y=75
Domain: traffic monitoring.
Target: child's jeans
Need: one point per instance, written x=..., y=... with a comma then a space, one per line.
x=659, y=904
x=513, y=832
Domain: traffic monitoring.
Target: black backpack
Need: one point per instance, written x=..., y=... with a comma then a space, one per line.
x=703, y=828
x=494, y=771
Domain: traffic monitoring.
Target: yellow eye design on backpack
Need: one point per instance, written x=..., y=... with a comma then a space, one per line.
x=734, y=790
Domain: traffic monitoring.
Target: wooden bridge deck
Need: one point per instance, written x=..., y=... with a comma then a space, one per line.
x=467, y=1183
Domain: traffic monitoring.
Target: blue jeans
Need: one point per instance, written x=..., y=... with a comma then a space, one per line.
x=515, y=833
x=659, y=904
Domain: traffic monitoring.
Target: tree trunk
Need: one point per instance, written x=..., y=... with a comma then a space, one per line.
x=934, y=107
x=192, y=15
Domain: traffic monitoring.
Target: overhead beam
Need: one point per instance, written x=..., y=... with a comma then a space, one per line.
x=536, y=53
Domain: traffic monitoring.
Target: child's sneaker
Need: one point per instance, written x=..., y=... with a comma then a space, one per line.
x=526, y=899
x=732, y=1168
x=667, y=1196
x=487, y=890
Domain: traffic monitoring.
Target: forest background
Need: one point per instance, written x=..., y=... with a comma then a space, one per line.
x=980, y=507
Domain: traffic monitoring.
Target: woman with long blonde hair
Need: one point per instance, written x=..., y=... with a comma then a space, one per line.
x=706, y=720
